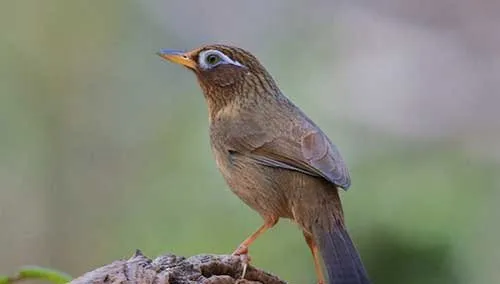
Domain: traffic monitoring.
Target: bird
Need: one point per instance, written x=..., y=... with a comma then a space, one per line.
x=274, y=157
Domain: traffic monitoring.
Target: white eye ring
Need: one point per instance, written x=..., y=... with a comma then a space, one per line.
x=224, y=59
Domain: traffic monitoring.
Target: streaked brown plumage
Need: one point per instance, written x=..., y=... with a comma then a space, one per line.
x=273, y=156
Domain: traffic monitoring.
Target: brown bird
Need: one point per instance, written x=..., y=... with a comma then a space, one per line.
x=274, y=157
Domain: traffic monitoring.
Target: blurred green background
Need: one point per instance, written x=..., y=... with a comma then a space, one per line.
x=104, y=146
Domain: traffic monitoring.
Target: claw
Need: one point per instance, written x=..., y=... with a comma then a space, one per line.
x=242, y=252
x=245, y=259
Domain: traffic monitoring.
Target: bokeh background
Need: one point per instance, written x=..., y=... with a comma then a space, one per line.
x=104, y=146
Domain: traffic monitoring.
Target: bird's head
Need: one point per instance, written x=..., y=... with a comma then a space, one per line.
x=225, y=72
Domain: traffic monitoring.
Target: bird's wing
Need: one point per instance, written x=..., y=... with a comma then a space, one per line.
x=312, y=154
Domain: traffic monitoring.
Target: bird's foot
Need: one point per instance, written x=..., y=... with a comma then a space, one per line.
x=242, y=249
x=242, y=252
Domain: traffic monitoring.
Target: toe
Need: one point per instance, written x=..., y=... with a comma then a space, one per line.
x=241, y=250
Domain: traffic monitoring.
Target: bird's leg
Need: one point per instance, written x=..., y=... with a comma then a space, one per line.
x=315, y=253
x=242, y=249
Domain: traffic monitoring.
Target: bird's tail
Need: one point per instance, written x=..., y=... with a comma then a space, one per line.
x=340, y=257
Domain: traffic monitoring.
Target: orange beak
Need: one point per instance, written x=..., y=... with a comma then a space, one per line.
x=179, y=57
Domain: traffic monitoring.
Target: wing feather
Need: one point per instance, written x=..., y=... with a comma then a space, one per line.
x=313, y=154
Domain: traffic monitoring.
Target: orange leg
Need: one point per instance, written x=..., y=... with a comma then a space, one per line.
x=315, y=253
x=242, y=249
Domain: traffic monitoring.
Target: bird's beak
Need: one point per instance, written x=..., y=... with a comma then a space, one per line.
x=179, y=57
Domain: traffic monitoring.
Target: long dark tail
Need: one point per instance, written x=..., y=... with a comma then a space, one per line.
x=341, y=259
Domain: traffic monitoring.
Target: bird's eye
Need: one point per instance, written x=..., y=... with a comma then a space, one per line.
x=213, y=59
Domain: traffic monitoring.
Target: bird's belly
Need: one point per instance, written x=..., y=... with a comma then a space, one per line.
x=256, y=185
